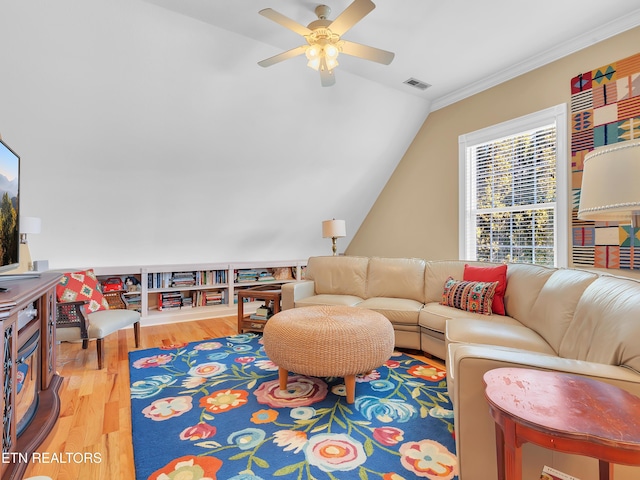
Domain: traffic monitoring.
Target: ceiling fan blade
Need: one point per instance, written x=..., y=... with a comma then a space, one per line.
x=327, y=78
x=351, y=15
x=367, y=52
x=294, y=52
x=285, y=21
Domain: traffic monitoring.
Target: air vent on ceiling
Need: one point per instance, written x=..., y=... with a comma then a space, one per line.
x=417, y=83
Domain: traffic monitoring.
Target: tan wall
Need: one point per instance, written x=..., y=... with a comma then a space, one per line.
x=416, y=214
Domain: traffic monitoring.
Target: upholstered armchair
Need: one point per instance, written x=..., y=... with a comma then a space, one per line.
x=84, y=314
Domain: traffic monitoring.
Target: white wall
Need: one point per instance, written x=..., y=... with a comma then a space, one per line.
x=146, y=139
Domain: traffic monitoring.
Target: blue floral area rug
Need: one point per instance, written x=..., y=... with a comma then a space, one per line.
x=214, y=410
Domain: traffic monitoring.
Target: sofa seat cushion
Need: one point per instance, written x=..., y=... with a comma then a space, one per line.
x=399, y=311
x=434, y=316
x=329, y=299
x=508, y=335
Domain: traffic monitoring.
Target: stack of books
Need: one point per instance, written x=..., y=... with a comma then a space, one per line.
x=246, y=275
x=265, y=276
x=183, y=279
x=215, y=297
x=133, y=302
x=169, y=300
x=262, y=313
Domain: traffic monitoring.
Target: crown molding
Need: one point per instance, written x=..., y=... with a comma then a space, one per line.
x=580, y=42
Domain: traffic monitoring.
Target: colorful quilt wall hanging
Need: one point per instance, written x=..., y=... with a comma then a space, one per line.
x=605, y=109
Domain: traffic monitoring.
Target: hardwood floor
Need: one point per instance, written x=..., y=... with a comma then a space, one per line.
x=92, y=437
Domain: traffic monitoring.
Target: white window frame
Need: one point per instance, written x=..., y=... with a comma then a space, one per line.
x=557, y=115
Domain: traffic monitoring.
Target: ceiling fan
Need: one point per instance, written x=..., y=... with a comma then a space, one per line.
x=324, y=39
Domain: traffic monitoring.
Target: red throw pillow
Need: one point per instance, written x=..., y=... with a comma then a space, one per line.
x=496, y=273
x=82, y=286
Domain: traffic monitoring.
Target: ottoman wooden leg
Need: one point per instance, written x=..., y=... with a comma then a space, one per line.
x=283, y=375
x=350, y=384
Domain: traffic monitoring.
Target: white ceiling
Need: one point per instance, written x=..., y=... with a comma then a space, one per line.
x=458, y=47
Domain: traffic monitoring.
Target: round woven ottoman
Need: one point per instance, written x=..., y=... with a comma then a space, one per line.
x=328, y=341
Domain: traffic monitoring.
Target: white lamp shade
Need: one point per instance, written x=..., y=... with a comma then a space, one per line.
x=334, y=228
x=611, y=183
x=30, y=225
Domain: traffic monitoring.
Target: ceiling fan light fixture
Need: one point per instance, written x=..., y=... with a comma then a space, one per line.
x=324, y=43
x=316, y=52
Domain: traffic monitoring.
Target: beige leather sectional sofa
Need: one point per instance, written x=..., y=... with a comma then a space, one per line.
x=566, y=320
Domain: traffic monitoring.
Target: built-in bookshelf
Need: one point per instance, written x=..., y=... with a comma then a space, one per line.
x=163, y=293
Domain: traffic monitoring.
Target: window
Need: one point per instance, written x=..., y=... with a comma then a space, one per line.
x=513, y=191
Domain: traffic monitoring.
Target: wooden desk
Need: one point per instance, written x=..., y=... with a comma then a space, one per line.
x=563, y=412
x=268, y=293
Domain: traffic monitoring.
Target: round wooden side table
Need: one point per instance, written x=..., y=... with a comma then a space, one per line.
x=563, y=412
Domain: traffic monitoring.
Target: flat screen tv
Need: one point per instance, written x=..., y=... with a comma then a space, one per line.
x=9, y=208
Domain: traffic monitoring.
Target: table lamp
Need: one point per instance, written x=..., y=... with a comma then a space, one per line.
x=28, y=225
x=611, y=184
x=334, y=229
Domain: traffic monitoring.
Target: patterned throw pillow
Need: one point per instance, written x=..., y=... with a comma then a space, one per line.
x=82, y=286
x=475, y=297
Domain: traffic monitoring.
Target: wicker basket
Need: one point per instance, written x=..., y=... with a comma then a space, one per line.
x=114, y=299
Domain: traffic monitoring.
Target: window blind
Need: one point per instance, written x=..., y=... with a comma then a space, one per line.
x=514, y=206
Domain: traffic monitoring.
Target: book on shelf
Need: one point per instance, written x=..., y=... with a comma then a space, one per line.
x=204, y=298
x=211, y=277
x=168, y=300
x=254, y=275
x=246, y=275
x=266, y=276
x=183, y=279
x=159, y=280
x=262, y=313
x=133, y=302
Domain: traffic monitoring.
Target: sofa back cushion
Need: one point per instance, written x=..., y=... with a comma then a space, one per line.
x=338, y=275
x=606, y=324
x=396, y=278
x=524, y=282
x=436, y=274
x=555, y=306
